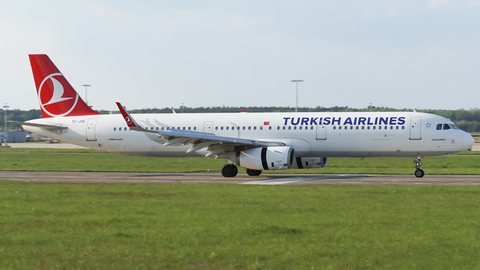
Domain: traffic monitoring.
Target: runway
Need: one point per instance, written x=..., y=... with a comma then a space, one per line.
x=217, y=178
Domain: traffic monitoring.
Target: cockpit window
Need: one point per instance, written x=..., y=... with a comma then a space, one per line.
x=453, y=126
x=446, y=126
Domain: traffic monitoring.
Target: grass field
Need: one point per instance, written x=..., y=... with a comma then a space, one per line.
x=210, y=226
x=13, y=159
x=180, y=226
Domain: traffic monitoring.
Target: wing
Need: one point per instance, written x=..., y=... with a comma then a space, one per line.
x=215, y=145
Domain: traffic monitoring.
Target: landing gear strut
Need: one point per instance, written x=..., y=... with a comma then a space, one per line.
x=419, y=172
x=229, y=170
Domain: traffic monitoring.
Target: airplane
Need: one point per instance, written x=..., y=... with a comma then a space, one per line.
x=254, y=141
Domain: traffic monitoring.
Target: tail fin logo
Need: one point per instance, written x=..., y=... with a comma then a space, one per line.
x=128, y=120
x=53, y=98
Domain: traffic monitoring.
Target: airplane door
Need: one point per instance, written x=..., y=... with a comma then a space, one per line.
x=321, y=133
x=416, y=128
x=207, y=126
x=91, y=123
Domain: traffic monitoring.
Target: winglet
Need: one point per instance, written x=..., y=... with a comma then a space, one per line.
x=131, y=123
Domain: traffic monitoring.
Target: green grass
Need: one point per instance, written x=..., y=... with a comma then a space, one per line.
x=18, y=159
x=184, y=226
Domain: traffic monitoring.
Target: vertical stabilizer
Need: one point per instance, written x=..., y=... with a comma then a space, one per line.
x=56, y=96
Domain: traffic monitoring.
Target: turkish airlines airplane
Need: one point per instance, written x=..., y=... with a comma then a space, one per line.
x=255, y=141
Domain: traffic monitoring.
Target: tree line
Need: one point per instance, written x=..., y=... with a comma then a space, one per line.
x=468, y=120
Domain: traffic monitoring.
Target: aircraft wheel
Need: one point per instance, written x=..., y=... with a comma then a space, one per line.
x=229, y=170
x=253, y=172
x=419, y=173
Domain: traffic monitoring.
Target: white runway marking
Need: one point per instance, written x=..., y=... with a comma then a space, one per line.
x=281, y=181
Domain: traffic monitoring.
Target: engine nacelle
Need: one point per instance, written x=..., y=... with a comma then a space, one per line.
x=266, y=158
x=310, y=162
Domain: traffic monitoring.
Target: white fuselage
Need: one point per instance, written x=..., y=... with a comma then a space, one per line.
x=373, y=134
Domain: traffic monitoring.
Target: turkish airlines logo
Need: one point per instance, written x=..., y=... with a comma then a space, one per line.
x=53, y=98
x=129, y=121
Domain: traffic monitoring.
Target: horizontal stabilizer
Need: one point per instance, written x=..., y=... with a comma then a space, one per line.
x=47, y=127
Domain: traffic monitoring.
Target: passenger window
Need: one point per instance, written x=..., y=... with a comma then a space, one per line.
x=249, y=128
x=380, y=128
x=439, y=127
x=391, y=127
x=216, y=128
x=373, y=127
x=254, y=127
x=221, y=128
x=403, y=127
x=270, y=127
x=363, y=127
x=356, y=128
x=283, y=127
x=334, y=127
x=278, y=128
x=300, y=127
x=351, y=127
x=340, y=127
x=243, y=128
x=397, y=127
x=114, y=129
x=289, y=127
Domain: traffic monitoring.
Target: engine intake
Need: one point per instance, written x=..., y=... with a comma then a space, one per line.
x=267, y=158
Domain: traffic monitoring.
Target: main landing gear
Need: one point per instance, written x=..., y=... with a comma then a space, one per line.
x=419, y=172
x=230, y=170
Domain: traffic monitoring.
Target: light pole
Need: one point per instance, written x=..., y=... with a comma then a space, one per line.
x=296, y=98
x=5, y=125
x=86, y=87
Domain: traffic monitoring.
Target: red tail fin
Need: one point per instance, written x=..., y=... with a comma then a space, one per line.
x=56, y=96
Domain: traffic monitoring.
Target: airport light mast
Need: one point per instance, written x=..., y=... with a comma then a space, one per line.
x=296, y=97
x=86, y=87
x=5, y=125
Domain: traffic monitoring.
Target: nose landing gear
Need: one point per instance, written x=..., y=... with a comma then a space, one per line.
x=419, y=172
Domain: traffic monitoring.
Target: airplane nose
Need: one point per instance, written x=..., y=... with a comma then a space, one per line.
x=468, y=141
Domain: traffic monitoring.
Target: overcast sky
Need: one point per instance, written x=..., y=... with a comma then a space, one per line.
x=154, y=54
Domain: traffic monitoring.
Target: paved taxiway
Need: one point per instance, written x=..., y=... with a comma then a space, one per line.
x=266, y=179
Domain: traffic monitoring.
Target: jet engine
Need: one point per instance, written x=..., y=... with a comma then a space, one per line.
x=266, y=158
x=310, y=162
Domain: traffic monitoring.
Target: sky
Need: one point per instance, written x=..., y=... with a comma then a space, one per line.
x=422, y=54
